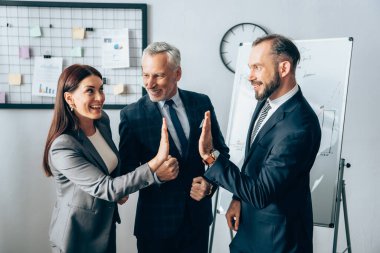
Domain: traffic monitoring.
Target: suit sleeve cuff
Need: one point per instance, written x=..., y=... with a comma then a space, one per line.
x=156, y=180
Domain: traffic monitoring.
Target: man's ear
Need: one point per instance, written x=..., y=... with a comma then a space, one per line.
x=284, y=68
x=69, y=99
x=178, y=73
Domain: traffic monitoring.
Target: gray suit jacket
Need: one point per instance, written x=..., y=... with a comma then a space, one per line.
x=86, y=193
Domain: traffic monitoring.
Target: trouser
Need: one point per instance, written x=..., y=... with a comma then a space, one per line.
x=189, y=239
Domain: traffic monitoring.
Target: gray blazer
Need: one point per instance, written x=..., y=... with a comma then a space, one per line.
x=85, y=208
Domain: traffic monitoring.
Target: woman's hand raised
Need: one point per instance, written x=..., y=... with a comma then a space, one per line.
x=163, y=151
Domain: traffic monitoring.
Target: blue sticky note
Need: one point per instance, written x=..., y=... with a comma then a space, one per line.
x=76, y=52
x=35, y=31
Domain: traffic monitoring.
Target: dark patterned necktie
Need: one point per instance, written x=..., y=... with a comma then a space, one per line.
x=262, y=116
x=178, y=127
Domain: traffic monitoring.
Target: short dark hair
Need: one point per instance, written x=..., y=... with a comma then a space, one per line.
x=281, y=47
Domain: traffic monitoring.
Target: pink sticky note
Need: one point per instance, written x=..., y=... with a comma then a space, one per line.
x=24, y=52
x=2, y=97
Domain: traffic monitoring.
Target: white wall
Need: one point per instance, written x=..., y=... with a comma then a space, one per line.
x=197, y=27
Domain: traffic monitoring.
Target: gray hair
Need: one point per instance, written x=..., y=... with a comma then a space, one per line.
x=174, y=56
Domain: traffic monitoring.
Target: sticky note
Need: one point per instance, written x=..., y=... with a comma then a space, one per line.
x=24, y=52
x=2, y=97
x=76, y=52
x=14, y=79
x=119, y=89
x=78, y=33
x=35, y=31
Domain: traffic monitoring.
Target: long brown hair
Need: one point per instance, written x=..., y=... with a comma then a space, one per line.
x=64, y=119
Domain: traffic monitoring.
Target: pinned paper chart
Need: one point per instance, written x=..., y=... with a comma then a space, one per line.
x=45, y=76
x=115, y=48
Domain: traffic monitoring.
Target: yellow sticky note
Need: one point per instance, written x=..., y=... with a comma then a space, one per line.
x=78, y=33
x=35, y=31
x=119, y=89
x=14, y=79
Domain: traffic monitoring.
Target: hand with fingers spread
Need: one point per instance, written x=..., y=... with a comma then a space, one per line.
x=163, y=150
x=205, y=140
x=200, y=188
x=233, y=214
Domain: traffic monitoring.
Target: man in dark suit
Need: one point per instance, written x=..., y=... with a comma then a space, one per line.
x=167, y=218
x=271, y=208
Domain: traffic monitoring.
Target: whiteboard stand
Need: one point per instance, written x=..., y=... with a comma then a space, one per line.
x=341, y=197
x=214, y=221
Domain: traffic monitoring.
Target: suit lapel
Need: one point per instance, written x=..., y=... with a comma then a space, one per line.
x=91, y=151
x=278, y=116
x=253, y=120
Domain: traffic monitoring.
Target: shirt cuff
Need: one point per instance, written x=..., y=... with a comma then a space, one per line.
x=216, y=154
x=156, y=180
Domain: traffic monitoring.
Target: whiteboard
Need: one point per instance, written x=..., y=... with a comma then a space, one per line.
x=322, y=74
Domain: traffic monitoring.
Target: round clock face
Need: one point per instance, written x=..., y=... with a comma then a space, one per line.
x=244, y=32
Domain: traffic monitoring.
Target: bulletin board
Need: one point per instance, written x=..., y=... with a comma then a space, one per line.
x=57, y=21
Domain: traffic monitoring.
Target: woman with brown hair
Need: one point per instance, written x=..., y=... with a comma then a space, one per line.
x=83, y=160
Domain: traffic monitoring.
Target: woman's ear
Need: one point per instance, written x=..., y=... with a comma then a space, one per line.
x=69, y=99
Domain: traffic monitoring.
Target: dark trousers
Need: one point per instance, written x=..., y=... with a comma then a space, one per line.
x=189, y=239
x=112, y=240
x=235, y=250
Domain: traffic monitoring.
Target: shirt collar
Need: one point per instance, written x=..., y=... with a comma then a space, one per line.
x=176, y=99
x=279, y=101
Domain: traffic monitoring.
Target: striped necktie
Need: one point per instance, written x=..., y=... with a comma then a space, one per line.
x=263, y=114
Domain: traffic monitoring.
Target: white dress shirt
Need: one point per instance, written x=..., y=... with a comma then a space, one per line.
x=181, y=113
x=275, y=104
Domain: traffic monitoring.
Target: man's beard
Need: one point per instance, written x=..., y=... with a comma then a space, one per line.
x=269, y=88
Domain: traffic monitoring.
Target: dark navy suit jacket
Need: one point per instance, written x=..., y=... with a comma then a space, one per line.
x=273, y=186
x=161, y=208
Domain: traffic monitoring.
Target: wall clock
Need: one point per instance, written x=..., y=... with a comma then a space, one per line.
x=244, y=32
